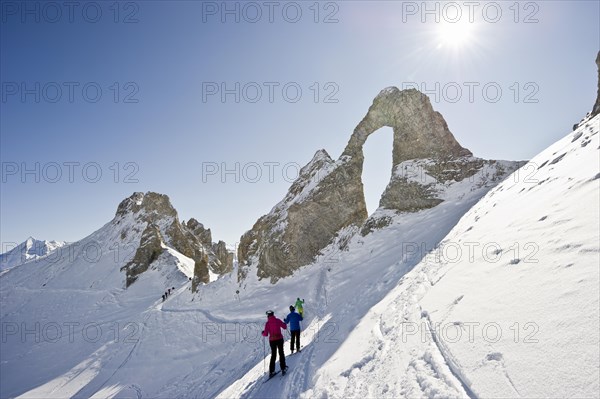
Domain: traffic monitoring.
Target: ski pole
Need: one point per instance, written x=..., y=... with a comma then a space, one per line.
x=264, y=356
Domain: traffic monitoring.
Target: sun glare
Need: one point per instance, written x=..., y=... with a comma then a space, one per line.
x=456, y=35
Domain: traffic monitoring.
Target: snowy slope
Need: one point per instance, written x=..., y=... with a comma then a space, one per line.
x=28, y=250
x=368, y=307
x=195, y=345
x=506, y=306
x=344, y=285
x=59, y=311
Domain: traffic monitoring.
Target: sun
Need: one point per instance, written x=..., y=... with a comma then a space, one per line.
x=455, y=34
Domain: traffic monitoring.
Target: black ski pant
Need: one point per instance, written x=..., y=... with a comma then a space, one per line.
x=295, y=340
x=276, y=346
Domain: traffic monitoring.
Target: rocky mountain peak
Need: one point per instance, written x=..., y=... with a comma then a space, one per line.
x=156, y=225
x=320, y=157
x=203, y=234
x=29, y=249
x=328, y=196
x=150, y=203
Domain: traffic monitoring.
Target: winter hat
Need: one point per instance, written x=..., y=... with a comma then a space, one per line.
x=270, y=313
x=292, y=308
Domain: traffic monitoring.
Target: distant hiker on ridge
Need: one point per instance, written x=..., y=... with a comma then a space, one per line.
x=294, y=320
x=299, y=306
x=272, y=329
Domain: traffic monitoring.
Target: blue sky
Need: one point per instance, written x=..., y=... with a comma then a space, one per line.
x=106, y=98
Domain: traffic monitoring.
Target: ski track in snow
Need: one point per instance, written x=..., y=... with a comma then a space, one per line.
x=389, y=350
x=452, y=363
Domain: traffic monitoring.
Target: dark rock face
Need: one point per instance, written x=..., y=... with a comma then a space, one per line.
x=204, y=235
x=325, y=198
x=151, y=203
x=223, y=262
x=328, y=195
x=201, y=275
x=162, y=228
x=405, y=193
x=408, y=196
x=596, y=109
x=149, y=250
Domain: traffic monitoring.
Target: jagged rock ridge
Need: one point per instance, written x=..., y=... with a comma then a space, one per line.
x=318, y=204
x=596, y=109
x=328, y=195
x=163, y=229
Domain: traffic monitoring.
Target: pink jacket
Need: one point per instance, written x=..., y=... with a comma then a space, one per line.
x=273, y=328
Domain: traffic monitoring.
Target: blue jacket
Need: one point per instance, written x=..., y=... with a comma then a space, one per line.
x=294, y=320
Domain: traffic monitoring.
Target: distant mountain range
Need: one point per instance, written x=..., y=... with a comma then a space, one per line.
x=29, y=249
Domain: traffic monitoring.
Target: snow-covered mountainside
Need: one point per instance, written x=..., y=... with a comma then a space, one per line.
x=507, y=305
x=198, y=345
x=28, y=250
x=73, y=302
x=383, y=308
x=120, y=342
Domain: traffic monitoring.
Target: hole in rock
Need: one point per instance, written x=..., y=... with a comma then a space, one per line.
x=377, y=168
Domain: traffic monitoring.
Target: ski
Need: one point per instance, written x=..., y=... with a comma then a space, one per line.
x=269, y=377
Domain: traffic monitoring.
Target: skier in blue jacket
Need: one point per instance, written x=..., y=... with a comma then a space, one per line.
x=294, y=319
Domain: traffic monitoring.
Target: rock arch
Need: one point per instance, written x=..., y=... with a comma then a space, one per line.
x=328, y=195
x=419, y=133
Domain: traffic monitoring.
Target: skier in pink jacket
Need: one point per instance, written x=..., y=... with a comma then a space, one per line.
x=272, y=329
